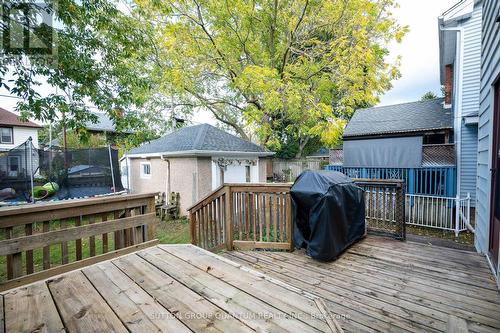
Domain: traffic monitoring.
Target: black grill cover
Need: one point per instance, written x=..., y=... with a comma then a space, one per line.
x=328, y=213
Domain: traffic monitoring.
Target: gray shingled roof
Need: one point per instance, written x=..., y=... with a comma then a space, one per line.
x=400, y=118
x=198, y=138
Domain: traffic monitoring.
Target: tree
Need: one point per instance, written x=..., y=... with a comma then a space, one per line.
x=428, y=96
x=289, y=70
x=94, y=64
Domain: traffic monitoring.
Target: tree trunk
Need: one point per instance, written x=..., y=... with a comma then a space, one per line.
x=302, y=144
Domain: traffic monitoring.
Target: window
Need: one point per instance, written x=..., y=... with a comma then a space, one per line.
x=247, y=173
x=14, y=165
x=146, y=170
x=6, y=135
x=433, y=139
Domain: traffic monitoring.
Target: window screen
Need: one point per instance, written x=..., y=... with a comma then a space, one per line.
x=6, y=135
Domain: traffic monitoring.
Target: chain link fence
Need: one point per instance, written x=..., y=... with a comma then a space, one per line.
x=385, y=206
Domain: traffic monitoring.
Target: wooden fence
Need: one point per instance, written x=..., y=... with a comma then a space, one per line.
x=61, y=236
x=288, y=170
x=243, y=216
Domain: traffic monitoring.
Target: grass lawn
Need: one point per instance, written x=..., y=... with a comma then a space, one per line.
x=173, y=232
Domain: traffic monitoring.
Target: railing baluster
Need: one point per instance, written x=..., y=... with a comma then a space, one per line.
x=240, y=215
x=91, y=220
x=78, y=242
x=104, y=218
x=118, y=235
x=209, y=226
x=64, y=245
x=46, y=249
x=252, y=215
x=275, y=216
x=30, y=268
x=247, y=216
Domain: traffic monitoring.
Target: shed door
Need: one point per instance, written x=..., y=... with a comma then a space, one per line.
x=495, y=179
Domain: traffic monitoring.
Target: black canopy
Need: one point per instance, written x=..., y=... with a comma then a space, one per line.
x=328, y=213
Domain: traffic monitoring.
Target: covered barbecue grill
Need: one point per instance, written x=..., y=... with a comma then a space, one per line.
x=328, y=213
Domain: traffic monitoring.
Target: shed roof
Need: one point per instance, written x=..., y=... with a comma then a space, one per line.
x=400, y=118
x=12, y=119
x=198, y=139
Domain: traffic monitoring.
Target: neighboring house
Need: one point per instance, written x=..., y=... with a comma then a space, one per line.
x=13, y=133
x=460, y=61
x=411, y=141
x=193, y=161
x=398, y=136
x=105, y=127
x=488, y=170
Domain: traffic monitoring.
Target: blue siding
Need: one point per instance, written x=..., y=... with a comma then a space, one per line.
x=471, y=71
x=471, y=63
x=490, y=69
x=468, y=162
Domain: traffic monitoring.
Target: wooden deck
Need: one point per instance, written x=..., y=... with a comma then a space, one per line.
x=163, y=288
x=378, y=285
x=384, y=285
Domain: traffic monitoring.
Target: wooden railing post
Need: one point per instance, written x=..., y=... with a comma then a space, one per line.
x=289, y=221
x=192, y=228
x=150, y=208
x=229, y=219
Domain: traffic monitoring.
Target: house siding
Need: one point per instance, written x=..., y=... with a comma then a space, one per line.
x=204, y=177
x=468, y=158
x=21, y=135
x=490, y=69
x=183, y=171
x=471, y=71
x=471, y=63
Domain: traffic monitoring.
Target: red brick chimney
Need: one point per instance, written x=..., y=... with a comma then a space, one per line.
x=448, y=84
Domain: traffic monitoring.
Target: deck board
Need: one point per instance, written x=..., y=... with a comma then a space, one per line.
x=36, y=300
x=266, y=291
x=232, y=300
x=135, y=308
x=408, y=286
x=81, y=307
x=378, y=285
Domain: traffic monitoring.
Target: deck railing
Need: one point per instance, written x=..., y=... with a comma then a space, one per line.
x=243, y=216
x=42, y=240
x=435, y=181
x=385, y=206
x=252, y=216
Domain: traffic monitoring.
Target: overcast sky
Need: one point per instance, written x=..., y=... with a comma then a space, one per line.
x=419, y=51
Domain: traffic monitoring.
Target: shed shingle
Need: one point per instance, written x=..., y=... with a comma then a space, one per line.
x=400, y=118
x=202, y=137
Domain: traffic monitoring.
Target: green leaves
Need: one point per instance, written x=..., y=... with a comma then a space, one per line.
x=290, y=72
x=97, y=63
x=285, y=70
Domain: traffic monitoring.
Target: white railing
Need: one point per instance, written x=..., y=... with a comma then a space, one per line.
x=445, y=213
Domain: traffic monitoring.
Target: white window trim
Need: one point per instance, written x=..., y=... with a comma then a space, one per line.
x=11, y=135
x=143, y=175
